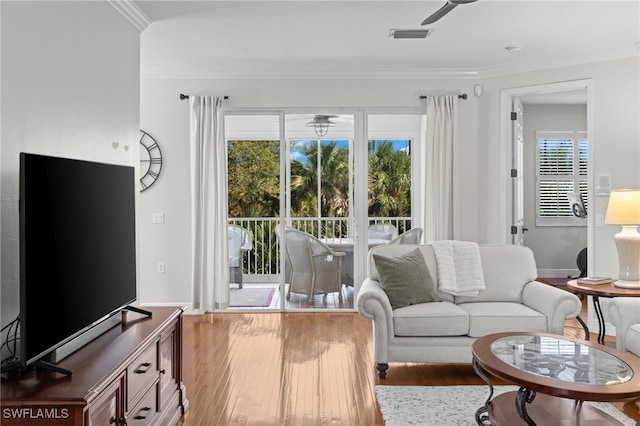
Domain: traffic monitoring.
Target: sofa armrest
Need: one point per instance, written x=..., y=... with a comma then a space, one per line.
x=623, y=313
x=373, y=303
x=556, y=304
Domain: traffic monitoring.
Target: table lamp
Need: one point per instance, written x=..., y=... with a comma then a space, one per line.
x=624, y=209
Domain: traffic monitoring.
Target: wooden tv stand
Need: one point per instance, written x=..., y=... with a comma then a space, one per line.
x=130, y=375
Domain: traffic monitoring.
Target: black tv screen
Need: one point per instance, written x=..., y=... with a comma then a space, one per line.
x=77, y=248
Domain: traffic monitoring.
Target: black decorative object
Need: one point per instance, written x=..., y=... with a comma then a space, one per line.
x=150, y=161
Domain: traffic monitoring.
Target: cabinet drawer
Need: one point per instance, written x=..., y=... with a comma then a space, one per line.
x=141, y=372
x=146, y=409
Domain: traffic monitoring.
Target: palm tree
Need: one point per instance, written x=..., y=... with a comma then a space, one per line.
x=389, y=182
x=334, y=179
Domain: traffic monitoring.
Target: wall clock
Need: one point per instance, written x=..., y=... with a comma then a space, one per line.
x=150, y=161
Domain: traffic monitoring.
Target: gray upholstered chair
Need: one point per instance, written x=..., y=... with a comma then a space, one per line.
x=315, y=267
x=239, y=240
x=382, y=231
x=412, y=236
x=624, y=314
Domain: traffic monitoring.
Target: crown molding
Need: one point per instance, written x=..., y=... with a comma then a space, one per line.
x=130, y=10
x=585, y=59
x=304, y=74
x=390, y=73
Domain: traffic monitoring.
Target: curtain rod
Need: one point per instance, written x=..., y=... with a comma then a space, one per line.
x=462, y=96
x=183, y=97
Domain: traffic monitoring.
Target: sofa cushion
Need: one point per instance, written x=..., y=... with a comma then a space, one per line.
x=507, y=269
x=399, y=249
x=405, y=279
x=632, y=340
x=496, y=317
x=430, y=319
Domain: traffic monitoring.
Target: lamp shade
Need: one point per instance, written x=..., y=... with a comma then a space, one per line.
x=623, y=207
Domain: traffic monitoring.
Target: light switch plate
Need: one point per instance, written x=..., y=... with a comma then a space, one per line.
x=603, y=184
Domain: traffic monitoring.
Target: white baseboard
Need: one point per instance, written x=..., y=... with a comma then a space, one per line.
x=551, y=273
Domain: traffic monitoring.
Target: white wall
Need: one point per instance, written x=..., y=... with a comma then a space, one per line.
x=555, y=247
x=477, y=176
x=165, y=116
x=615, y=108
x=70, y=87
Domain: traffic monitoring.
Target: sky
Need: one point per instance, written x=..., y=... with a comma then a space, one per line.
x=296, y=154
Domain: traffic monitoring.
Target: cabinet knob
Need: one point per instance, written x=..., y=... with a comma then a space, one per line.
x=163, y=371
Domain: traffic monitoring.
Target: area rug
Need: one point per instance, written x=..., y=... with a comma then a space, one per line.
x=448, y=405
x=250, y=297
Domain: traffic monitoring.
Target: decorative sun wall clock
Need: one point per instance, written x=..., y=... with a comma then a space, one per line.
x=150, y=161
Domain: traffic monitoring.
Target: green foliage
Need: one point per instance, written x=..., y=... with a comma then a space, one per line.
x=265, y=256
x=254, y=184
x=334, y=189
x=254, y=178
x=389, y=182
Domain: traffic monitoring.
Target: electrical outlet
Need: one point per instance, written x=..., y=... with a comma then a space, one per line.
x=158, y=218
x=161, y=267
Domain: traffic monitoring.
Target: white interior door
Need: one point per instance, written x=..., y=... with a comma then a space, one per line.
x=517, y=173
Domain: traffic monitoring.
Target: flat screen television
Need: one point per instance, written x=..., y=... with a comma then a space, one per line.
x=77, y=249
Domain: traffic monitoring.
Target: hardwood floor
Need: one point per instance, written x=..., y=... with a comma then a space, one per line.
x=298, y=369
x=301, y=301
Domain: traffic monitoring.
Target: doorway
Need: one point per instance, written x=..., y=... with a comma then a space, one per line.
x=319, y=177
x=544, y=107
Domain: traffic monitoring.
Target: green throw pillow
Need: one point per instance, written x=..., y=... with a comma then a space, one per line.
x=405, y=279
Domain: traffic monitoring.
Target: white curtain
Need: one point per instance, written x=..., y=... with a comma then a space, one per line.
x=210, y=271
x=437, y=168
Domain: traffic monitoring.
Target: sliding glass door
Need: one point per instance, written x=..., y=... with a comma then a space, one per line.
x=330, y=179
x=254, y=197
x=394, y=142
x=319, y=207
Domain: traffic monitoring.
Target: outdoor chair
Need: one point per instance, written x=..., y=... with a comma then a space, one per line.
x=382, y=231
x=239, y=241
x=412, y=236
x=315, y=267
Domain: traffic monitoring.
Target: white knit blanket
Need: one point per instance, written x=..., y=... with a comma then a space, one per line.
x=459, y=267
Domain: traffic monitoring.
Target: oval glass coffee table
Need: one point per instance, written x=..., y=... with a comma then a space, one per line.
x=555, y=374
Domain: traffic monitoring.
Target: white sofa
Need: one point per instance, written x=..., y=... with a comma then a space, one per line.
x=443, y=331
x=624, y=314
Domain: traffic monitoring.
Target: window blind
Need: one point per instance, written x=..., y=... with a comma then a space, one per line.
x=561, y=167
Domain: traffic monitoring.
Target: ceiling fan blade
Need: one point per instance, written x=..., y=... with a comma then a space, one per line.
x=343, y=119
x=448, y=7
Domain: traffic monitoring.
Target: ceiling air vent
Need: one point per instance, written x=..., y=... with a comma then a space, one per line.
x=422, y=33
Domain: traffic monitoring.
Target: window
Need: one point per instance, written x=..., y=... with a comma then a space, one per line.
x=561, y=167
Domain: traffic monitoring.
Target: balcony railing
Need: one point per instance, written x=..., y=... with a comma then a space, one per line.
x=262, y=263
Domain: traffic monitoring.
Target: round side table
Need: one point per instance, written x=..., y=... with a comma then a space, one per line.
x=601, y=290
